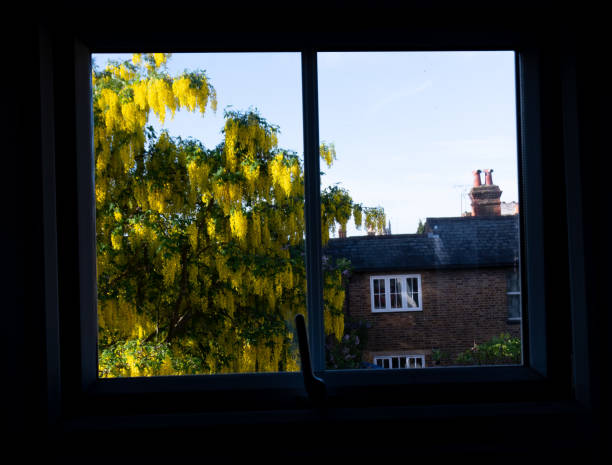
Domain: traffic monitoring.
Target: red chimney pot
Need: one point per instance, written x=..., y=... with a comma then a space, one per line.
x=477, y=180
x=489, y=177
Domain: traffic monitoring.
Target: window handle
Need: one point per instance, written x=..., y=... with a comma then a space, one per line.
x=315, y=387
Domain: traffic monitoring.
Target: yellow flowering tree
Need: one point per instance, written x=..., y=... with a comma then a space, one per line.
x=200, y=251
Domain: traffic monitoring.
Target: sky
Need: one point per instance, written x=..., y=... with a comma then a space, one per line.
x=408, y=127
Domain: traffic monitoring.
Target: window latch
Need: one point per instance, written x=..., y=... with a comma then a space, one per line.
x=315, y=387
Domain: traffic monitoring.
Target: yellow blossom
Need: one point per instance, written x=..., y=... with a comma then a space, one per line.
x=238, y=224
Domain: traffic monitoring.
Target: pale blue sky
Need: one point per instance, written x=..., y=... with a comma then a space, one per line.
x=408, y=127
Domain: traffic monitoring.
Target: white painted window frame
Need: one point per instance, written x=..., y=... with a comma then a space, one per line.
x=407, y=357
x=509, y=293
x=387, y=279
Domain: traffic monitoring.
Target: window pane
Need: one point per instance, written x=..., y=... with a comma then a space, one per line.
x=514, y=281
x=379, y=293
x=199, y=204
x=514, y=306
x=396, y=293
x=413, y=292
x=419, y=184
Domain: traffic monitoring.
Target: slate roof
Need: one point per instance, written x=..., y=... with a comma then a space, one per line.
x=454, y=242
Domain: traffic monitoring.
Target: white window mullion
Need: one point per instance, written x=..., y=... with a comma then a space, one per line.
x=387, y=294
x=405, y=294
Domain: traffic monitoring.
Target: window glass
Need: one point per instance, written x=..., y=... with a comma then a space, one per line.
x=420, y=208
x=413, y=292
x=396, y=293
x=379, y=293
x=514, y=296
x=199, y=212
x=399, y=361
x=513, y=281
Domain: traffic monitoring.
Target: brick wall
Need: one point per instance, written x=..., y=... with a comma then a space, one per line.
x=460, y=307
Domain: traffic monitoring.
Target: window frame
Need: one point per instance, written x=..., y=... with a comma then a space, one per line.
x=390, y=358
x=72, y=323
x=404, y=293
x=514, y=319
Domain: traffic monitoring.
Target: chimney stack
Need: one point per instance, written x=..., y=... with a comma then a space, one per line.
x=341, y=233
x=485, y=199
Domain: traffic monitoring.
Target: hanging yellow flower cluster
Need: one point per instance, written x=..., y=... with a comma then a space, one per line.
x=328, y=153
x=238, y=224
x=375, y=218
x=121, y=315
x=334, y=301
x=247, y=135
x=170, y=268
x=281, y=175
x=124, y=95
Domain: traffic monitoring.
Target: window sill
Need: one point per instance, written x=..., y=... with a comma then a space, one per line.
x=282, y=393
x=334, y=414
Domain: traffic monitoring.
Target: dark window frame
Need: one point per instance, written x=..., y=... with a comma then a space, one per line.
x=544, y=375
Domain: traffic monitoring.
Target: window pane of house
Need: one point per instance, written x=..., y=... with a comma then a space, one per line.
x=396, y=293
x=514, y=306
x=419, y=189
x=379, y=293
x=513, y=281
x=413, y=292
x=199, y=204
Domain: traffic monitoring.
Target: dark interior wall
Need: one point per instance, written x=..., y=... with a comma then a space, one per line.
x=594, y=118
x=23, y=319
x=448, y=435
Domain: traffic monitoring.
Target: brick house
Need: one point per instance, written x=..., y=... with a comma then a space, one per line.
x=455, y=285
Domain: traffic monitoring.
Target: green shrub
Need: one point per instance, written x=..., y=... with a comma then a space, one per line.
x=502, y=349
x=348, y=352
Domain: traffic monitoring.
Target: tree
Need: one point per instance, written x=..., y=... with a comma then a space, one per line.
x=200, y=251
x=420, y=227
